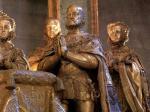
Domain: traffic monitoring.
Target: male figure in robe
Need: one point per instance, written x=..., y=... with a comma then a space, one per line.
x=81, y=57
x=126, y=70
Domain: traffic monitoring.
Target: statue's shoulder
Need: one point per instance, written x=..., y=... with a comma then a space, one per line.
x=90, y=37
x=18, y=51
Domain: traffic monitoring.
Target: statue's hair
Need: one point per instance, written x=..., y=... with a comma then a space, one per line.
x=50, y=19
x=4, y=16
x=78, y=7
x=118, y=23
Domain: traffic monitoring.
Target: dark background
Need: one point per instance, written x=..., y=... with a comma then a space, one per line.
x=30, y=17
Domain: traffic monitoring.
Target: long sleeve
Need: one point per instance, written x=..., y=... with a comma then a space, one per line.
x=48, y=63
x=84, y=60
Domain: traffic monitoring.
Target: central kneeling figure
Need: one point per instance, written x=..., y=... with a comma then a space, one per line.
x=80, y=63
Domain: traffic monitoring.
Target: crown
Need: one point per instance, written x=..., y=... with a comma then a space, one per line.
x=4, y=16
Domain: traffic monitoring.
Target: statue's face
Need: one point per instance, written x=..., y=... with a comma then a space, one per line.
x=74, y=16
x=117, y=33
x=5, y=29
x=53, y=28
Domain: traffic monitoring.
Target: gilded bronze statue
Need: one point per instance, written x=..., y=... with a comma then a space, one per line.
x=80, y=61
x=127, y=71
x=52, y=35
x=10, y=57
x=22, y=90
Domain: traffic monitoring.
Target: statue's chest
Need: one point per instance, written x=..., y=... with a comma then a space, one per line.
x=75, y=43
x=4, y=52
x=120, y=55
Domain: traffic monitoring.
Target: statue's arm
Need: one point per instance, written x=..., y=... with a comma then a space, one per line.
x=48, y=63
x=84, y=60
x=18, y=61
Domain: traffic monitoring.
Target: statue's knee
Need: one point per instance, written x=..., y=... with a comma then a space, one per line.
x=85, y=106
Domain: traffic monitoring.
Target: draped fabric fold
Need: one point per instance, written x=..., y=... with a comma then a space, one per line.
x=132, y=84
x=132, y=94
x=108, y=96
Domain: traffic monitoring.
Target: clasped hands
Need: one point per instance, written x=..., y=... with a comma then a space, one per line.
x=62, y=48
x=58, y=48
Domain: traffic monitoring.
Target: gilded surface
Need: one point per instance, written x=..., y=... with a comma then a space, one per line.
x=52, y=34
x=33, y=92
x=76, y=80
x=23, y=90
x=78, y=57
x=10, y=57
x=127, y=71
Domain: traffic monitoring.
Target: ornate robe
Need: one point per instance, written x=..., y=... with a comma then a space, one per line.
x=129, y=79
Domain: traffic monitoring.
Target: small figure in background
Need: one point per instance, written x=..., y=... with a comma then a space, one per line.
x=52, y=34
x=10, y=57
x=126, y=70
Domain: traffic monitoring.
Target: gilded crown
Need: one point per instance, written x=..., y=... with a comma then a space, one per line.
x=4, y=16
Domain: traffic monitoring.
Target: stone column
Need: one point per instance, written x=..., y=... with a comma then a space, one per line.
x=94, y=15
x=54, y=9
